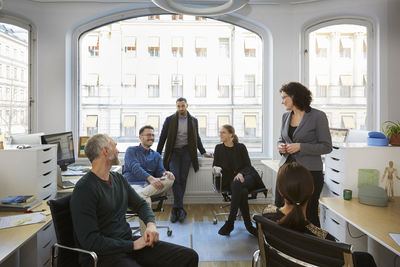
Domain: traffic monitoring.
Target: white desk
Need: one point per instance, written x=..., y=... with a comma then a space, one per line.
x=375, y=222
x=272, y=171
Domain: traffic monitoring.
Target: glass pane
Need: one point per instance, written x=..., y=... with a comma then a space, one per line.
x=338, y=73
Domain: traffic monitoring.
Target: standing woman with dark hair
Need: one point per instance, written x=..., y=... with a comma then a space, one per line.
x=304, y=138
x=238, y=176
x=295, y=186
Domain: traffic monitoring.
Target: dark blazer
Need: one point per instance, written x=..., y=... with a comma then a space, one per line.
x=169, y=134
x=241, y=164
x=312, y=134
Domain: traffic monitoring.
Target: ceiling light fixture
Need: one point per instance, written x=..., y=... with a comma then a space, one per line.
x=196, y=10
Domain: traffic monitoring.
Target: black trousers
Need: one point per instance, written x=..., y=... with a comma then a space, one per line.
x=162, y=254
x=240, y=192
x=313, y=203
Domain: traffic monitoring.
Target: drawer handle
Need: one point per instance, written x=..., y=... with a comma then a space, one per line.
x=336, y=159
x=335, y=193
x=47, y=161
x=47, y=197
x=47, y=185
x=334, y=181
x=47, y=244
x=46, y=149
x=335, y=221
x=47, y=173
x=46, y=227
x=334, y=170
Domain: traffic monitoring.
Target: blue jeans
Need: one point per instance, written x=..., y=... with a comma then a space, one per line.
x=179, y=165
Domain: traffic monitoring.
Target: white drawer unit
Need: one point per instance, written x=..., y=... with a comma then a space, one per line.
x=343, y=163
x=30, y=171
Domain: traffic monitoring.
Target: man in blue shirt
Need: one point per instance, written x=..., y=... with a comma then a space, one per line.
x=144, y=169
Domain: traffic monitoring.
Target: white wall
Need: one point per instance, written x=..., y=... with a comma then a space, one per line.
x=55, y=23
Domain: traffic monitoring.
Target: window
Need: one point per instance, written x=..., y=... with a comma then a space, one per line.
x=348, y=122
x=177, y=46
x=177, y=17
x=250, y=47
x=200, y=86
x=93, y=45
x=91, y=125
x=154, y=17
x=129, y=125
x=201, y=47
x=222, y=120
x=177, y=85
x=249, y=86
x=14, y=117
x=202, y=120
x=130, y=46
x=115, y=86
x=224, y=47
x=153, y=86
x=154, y=120
x=250, y=126
x=223, y=85
x=337, y=81
x=154, y=46
x=200, y=18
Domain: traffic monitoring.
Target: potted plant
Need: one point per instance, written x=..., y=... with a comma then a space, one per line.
x=392, y=132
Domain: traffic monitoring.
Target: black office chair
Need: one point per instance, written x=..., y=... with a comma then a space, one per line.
x=226, y=194
x=67, y=256
x=283, y=247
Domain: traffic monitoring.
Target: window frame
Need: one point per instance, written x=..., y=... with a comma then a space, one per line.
x=267, y=101
x=373, y=113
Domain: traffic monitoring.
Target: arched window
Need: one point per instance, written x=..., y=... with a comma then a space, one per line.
x=133, y=70
x=338, y=70
x=14, y=77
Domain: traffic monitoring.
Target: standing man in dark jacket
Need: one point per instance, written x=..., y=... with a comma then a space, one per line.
x=180, y=130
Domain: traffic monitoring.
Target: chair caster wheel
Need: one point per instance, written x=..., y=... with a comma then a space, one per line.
x=215, y=221
x=169, y=232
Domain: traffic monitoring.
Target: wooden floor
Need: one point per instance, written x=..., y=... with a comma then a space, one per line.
x=205, y=213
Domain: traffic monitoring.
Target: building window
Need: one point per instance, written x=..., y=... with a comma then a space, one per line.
x=91, y=125
x=250, y=126
x=224, y=49
x=346, y=83
x=222, y=120
x=177, y=46
x=345, y=47
x=177, y=17
x=250, y=45
x=224, y=83
x=321, y=47
x=177, y=85
x=91, y=85
x=201, y=47
x=365, y=49
x=8, y=72
x=198, y=18
x=153, y=86
x=154, y=120
x=154, y=17
x=129, y=80
x=130, y=46
x=202, y=120
x=129, y=125
x=249, y=86
x=201, y=85
x=348, y=122
x=93, y=45
x=154, y=46
x=346, y=41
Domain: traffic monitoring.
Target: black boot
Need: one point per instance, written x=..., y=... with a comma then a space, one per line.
x=250, y=228
x=226, y=229
x=174, y=215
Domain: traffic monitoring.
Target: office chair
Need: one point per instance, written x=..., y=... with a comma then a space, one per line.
x=283, y=247
x=68, y=254
x=217, y=187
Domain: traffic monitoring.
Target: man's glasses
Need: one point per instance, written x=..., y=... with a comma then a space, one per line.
x=148, y=135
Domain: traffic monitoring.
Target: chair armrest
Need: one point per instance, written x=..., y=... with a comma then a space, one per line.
x=91, y=253
x=217, y=182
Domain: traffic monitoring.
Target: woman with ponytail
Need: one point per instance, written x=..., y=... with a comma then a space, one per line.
x=239, y=177
x=295, y=185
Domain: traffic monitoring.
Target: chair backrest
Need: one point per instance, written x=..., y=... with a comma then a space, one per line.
x=62, y=221
x=276, y=240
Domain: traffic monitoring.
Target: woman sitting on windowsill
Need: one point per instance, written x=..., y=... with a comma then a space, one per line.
x=295, y=185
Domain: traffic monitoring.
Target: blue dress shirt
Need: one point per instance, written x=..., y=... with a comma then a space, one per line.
x=140, y=164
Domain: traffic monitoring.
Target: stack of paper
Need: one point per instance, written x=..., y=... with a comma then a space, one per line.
x=18, y=220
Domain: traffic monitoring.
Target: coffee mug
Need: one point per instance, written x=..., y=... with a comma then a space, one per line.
x=347, y=194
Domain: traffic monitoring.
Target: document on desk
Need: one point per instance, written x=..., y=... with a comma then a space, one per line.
x=396, y=237
x=73, y=173
x=23, y=219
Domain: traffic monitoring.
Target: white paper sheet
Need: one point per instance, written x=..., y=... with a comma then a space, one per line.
x=396, y=237
x=23, y=219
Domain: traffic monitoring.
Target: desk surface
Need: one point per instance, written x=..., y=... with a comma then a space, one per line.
x=14, y=237
x=272, y=164
x=376, y=222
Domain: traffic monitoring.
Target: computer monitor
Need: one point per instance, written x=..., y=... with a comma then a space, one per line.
x=65, y=147
x=27, y=139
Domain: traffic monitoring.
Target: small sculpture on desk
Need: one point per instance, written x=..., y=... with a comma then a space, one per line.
x=389, y=182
